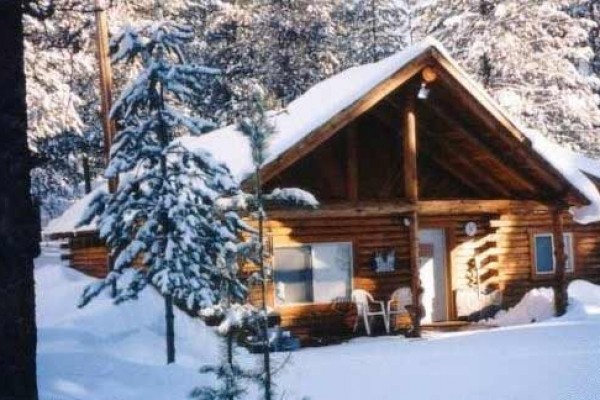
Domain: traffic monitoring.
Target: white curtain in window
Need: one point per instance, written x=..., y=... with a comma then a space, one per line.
x=332, y=266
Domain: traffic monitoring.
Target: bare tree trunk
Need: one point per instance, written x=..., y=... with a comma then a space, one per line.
x=265, y=322
x=87, y=177
x=165, y=139
x=170, y=327
x=19, y=227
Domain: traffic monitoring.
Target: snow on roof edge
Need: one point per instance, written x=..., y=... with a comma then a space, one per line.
x=67, y=222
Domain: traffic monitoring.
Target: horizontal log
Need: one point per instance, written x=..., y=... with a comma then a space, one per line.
x=344, y=211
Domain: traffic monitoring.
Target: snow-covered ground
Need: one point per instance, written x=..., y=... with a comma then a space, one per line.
x=117, y=352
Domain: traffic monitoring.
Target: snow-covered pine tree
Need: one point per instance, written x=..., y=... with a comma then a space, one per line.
x=532, y=56
x=59, y=62
x=257, y=127
x=60, y=177
x=375, y=29
x=294, y=42
x=163, y=215
x=231, y=47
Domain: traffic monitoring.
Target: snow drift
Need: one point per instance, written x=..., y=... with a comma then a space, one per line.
x=107, y=352
x=538, y=305
x=104, y=351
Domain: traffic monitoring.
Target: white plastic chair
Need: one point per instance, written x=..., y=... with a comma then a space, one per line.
x=368, y=307
x=399, y=300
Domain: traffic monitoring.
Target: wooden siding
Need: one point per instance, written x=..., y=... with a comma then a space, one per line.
x=502, y=245
x=514, y=232
x=88, y=254
x=367, y=234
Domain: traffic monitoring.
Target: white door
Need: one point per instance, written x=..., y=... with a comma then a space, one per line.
x=432, y=254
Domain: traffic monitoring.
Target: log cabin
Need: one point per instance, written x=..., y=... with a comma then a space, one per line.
x=423, y=182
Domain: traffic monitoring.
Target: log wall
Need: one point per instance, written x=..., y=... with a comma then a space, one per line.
x=515, y=253
x=367, y=235
x=88, y=254
x=502, y=247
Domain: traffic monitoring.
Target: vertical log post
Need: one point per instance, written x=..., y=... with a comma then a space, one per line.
x=411, y=189
x=560, y=286
x=352, y=169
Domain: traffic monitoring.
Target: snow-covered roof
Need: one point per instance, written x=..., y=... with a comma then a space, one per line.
x=68, y=221
x=328, y=98
x=573, y=167
x=308, y=112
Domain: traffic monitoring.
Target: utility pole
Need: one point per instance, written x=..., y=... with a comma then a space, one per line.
x=102, y=52
x=108, y=125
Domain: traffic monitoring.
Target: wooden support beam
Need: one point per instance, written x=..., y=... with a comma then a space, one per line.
x=339, y=121
x=447, y=151
x=345, y=210
x=560, y=287
x=500, y=162
x=352, y=160
x=423, y=207
x=479, y=103
x=458, y=175
x=411, y=185
x=453, y=207
x=415, y=277
x=411, y=193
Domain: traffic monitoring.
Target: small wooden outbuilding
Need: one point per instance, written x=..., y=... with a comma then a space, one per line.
x=424, y=182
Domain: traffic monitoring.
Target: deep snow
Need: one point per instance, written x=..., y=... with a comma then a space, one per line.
x=117, y=352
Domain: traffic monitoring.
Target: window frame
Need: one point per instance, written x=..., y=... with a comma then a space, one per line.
x=349, y=243
x=570, y=264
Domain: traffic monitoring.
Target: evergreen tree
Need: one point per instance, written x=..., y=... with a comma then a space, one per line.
x=60, y=177
x=296, y=42
x=164, y=213
x=376, y=29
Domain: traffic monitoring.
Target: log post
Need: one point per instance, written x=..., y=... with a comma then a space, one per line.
x=352, y=167
x=411, y=192
x=560, y=257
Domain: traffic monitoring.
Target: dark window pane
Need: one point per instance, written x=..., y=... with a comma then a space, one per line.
x=292, y=275
x=543, y=254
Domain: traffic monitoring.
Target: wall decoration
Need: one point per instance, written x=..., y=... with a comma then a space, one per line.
x=384, y=261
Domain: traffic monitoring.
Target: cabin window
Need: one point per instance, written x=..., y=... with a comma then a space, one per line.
x=544, y=259
x=312, y=273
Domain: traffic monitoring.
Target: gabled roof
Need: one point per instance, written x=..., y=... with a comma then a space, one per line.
x=330, y=105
